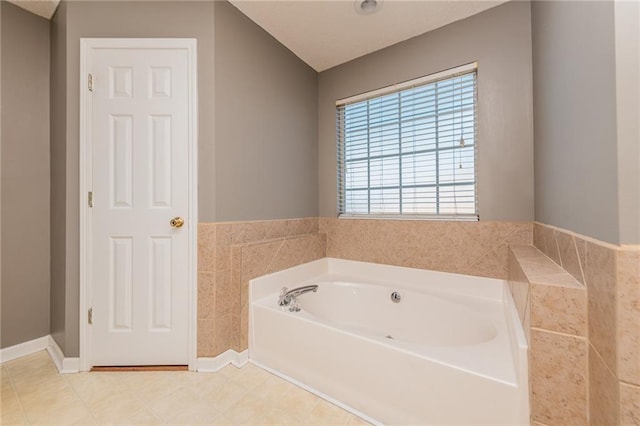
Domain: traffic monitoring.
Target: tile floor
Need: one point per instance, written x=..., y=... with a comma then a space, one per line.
x=34, y=393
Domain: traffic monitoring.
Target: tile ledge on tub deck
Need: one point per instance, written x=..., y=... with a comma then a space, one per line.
x=563, y=279
x=539, y=269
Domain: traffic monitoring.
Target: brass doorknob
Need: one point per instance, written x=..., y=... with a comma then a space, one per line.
x=176, y=222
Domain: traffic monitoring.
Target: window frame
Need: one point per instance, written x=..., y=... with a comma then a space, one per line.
x=393, y=89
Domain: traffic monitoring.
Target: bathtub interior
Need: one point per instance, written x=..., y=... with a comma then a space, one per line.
x=489, y=298
x=369, y=310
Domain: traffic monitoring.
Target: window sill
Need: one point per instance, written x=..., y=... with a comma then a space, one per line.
x=433, y=218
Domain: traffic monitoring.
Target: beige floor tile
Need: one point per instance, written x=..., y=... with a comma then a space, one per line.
x=12, y=417
x=34, y=393
x=6, y=388
x=325, y=413
x=199, y=412
x=230, y=371
x=8, y=396
x=250, y=377
x=247, y=411
x=99, y=391
x=10, y=409
x=59, y=408
x=273, y=389
x=34, y=359
x=281, y=416
x=105, y=400
x=207, y=382
x=87, y=420
x=84, y=382
x=223, y=397
x=166, y=406
x=299, y=401
x=140, y=416
x=355, y=421
x=5, y=378
x=38, y=364
x=34, y=386
x=151, y=386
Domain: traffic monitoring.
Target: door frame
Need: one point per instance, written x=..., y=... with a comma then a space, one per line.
x=87, y=46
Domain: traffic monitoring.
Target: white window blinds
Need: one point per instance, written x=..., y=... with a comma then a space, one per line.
x=410, y=150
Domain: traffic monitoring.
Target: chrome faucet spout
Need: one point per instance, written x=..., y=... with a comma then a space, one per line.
x=287, y=296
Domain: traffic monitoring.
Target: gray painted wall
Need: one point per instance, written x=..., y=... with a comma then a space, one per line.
x=575, y=117
x=25, y=176
x=627, y=36
x=58, y=152
x=266, y=124
x=500, y=40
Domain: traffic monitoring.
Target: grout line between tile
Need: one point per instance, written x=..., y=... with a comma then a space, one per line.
x=75, y=392
x=274, y=256
x=633, y=385
x=603, y=361
x=23, y=411
x=561, y=334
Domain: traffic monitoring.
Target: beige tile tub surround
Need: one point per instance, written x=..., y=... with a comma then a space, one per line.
x=471, y=248
x=600, y=277
x=558, y=368
x=232, y=253
x=552, y=306
x=603, y=392
x=629, y=404
x=628, y=334
x=612, y=276
x=261, y=259
x=554, y=299
x=229, y=254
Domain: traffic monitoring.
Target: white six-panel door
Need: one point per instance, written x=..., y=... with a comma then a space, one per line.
x=140, y=161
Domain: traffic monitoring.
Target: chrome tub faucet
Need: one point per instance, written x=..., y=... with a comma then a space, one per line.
x=289, y=297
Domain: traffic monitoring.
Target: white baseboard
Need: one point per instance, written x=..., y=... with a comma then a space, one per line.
x=24, y=349
x=64, y=365
x=211, y=365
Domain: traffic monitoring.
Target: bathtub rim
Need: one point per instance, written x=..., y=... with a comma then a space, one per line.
x=465, y=286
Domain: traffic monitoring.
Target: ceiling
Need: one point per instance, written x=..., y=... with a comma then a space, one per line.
x=326, y=33
x=44, y=8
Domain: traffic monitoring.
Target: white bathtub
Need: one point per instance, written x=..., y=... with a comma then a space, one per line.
x=452, y=351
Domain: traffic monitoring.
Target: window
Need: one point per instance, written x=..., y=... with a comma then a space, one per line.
x=410, y=149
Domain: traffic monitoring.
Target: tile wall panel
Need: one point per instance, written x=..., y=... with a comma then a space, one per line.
x=558, y=369
x=628, y=334
x=629, y=404
x=229, y=253
x=603, y=392
x=471, y=248
x=557, y=327
x=612, y=276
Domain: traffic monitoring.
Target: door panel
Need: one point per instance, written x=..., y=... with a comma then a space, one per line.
x=140, y=154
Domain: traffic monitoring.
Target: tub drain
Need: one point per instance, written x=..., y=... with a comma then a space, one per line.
x=388, y=336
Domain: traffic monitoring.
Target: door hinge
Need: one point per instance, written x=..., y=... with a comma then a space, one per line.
x=90, y=198
x=90, y=316
x=90, y=83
